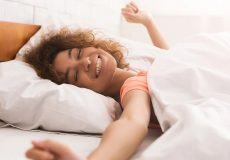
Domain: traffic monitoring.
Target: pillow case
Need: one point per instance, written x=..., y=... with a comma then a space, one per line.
x=61, y=107
x=13, y=37
x=29, y=102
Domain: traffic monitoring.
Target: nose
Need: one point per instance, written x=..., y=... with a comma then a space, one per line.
x=82, y=64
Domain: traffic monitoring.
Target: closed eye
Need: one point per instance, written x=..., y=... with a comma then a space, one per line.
x=78, y=57
x=76, y=75
x=66, y=74
x=79, y=54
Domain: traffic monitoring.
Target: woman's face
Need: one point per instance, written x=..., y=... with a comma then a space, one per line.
x=91, y=68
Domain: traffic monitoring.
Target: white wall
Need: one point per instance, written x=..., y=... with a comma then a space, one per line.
x=176, y=19
x=175, y=28
x=187, y=7
x=103, y=14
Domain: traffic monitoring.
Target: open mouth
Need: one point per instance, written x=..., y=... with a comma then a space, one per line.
x=98, y=66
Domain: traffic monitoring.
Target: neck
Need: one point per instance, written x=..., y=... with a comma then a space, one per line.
x=118, y=80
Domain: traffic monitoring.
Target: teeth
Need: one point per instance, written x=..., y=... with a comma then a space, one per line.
x=98, y=66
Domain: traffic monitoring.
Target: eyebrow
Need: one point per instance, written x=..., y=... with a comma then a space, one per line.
x=67, y=70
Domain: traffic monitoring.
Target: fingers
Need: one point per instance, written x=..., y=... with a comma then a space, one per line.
x=130, y=7
x=134, y=6
x=127, y=13
x=39, y=145
x=37, y=154
x=128, y=16
x=127, y=10
x=52, y=146
x=49, y=150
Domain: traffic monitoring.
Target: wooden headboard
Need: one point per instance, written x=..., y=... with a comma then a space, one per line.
x=13, y=36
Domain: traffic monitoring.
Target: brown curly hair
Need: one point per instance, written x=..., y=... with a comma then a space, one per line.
x=41, y=56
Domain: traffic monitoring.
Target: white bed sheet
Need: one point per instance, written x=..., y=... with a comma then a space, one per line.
x=190, y=91
x=14, y=142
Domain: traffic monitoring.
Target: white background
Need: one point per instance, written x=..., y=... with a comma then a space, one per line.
x=176, y=19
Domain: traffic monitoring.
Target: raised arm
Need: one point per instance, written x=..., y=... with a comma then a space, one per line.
x=132, y=14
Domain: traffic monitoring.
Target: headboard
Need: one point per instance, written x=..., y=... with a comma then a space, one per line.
x=13, y=36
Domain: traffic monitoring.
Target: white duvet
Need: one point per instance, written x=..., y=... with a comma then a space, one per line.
x=190, y=92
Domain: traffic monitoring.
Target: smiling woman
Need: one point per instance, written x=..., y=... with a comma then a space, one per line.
x=42, y=56
x=86, y=67
x=78, y=57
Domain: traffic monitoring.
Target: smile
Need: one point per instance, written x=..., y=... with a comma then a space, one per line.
x=98, y=66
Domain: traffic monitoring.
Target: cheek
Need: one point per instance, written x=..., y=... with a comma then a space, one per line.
x=85, y=82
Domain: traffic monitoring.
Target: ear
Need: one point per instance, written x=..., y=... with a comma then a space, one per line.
x=13, y=37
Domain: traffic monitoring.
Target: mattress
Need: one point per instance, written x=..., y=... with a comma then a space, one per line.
x=14, y=142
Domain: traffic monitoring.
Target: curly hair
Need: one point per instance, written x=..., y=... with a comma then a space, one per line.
x=41, y=57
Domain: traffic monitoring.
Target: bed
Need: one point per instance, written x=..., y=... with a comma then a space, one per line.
x=190, y=92
x=14, y=142
x=17, y=129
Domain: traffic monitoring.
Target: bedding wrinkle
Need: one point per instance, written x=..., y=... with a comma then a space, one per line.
x=190, y=93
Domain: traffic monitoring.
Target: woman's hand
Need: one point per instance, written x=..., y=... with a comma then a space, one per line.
x=132, y=14
x=50, y=150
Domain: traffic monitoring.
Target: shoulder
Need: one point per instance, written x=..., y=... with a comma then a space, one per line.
x=138, y=82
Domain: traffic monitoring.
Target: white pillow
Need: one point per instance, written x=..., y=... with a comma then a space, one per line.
x=28, y=102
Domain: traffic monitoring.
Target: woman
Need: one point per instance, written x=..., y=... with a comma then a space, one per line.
x=99, y=65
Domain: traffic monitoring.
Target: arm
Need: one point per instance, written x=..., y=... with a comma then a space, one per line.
x=120, y=140
x=155, y=35
x=132, y=14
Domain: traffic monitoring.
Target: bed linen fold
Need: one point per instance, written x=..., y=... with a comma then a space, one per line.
x=190, y=92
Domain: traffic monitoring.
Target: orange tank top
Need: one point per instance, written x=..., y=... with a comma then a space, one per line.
x=137, y=82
